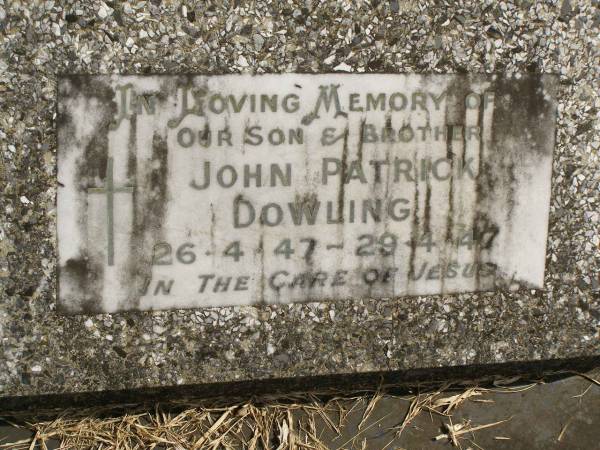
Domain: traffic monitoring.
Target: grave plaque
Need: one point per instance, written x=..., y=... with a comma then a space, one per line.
x=194, y=191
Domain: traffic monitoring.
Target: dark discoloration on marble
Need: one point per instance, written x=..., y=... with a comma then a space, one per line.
x=132, y=148
x=157, y=182
x=343, y=174
x=138, y=257
x=522, y=112
x=150, y=206
x=415, y=230
x=87, y=277
x=91, y=169
x=454, y=113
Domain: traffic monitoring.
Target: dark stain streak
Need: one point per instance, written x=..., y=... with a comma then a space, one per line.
x=65, y=128
x=448, y=239
x=361, y=137
x=479, y=197
x=342, y=190
x=78, y=270
x=464, y=135
x=85, y=272
x=526, y=108
x=88, y=277
x=414, y=237
x=454, y=112
x=261, y=251
x=464, y=153
x=158, y=176
x=97, y=87
x=386, y=224
x=306, y=154
x=516, y=107
x=427, y=211
x=511, y=191
x=94, y=162
x=520, y=106
x=149, y=208
x=131, y=148
x=138, y=265
x=450, y=218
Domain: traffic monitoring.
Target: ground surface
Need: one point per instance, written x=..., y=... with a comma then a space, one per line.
x=563, y=414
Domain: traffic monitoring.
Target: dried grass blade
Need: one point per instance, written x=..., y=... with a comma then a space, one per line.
x=480, y=427
x=369, y=409
x=212, y=429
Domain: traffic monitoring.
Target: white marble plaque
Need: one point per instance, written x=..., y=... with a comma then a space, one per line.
x=194, y=191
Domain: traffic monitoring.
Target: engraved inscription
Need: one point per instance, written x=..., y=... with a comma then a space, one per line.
x=110, y=191
x=194, y=191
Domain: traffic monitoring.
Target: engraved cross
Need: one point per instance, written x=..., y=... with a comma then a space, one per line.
x=110, y=191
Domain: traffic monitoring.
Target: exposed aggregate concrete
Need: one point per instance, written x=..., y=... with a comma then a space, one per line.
x=44, y=352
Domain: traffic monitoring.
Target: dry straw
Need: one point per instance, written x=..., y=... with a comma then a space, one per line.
x=298, y=422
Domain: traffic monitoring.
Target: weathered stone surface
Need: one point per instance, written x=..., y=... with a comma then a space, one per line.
x=195, y=191
x=46, y=352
